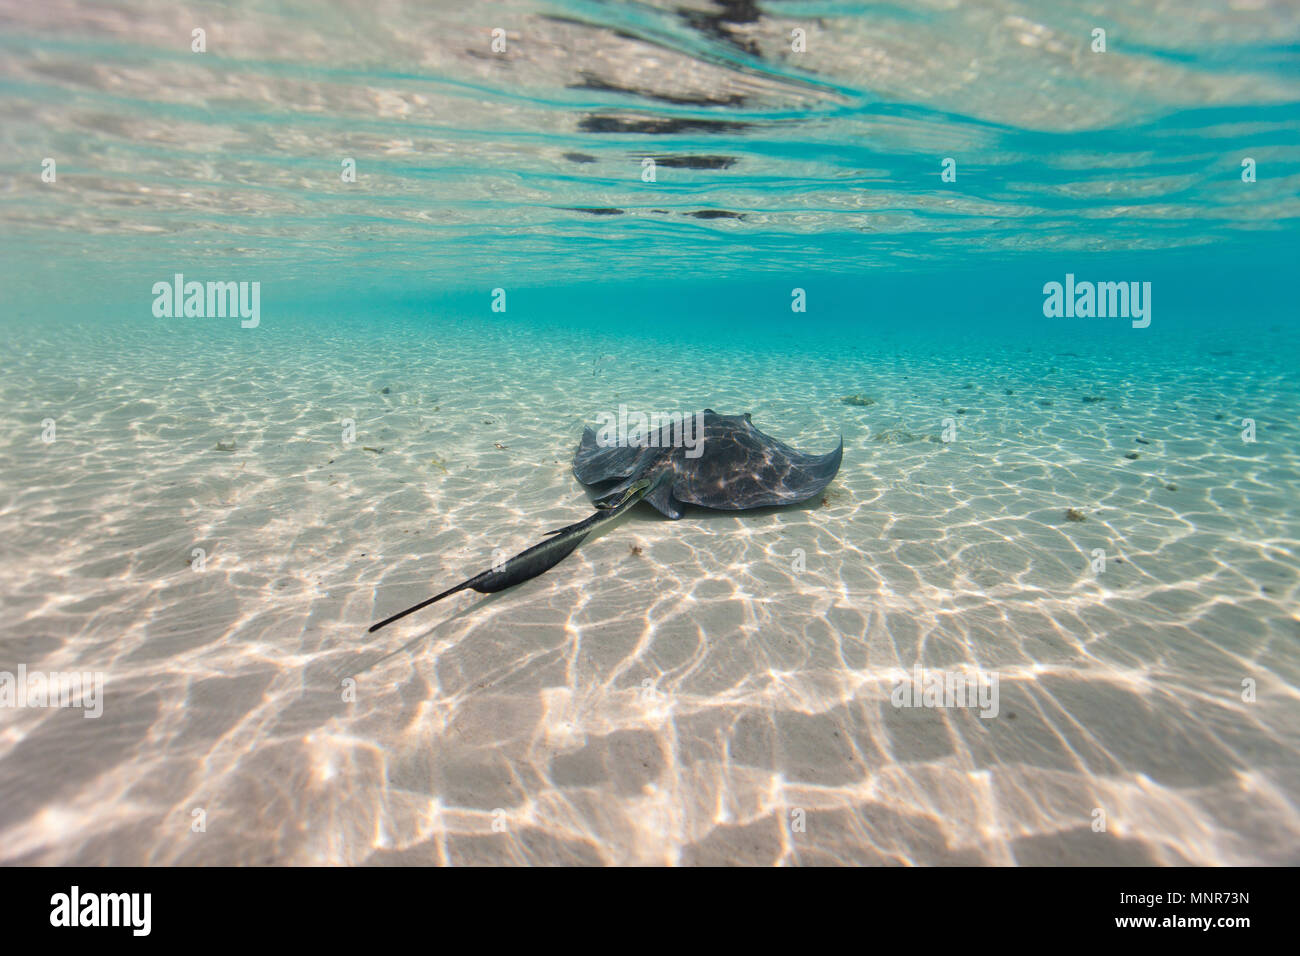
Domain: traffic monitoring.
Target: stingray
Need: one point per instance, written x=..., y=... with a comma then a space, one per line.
x=721, y=462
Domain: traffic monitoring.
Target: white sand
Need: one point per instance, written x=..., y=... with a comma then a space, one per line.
x=671, y=706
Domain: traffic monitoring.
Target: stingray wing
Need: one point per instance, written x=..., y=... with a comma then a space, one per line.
x=594, y=463
x=743, y=468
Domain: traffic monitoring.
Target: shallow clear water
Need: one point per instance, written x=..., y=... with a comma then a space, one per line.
x=675, y=692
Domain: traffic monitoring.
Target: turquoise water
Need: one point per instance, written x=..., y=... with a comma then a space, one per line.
x=502, y=269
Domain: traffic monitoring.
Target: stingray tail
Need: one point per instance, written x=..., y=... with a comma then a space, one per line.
x=419, y=607
x=538, y=559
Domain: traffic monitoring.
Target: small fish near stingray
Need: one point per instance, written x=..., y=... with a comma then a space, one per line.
x=733, y=467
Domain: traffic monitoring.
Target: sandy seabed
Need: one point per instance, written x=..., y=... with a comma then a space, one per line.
x=711, y=690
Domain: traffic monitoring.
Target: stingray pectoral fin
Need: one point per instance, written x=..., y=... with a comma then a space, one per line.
x=538, y=559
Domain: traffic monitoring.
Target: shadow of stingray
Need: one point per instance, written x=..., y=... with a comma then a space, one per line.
x=692, y=513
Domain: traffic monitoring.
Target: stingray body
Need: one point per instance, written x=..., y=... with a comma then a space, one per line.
x=729, y=466
x=713, y=461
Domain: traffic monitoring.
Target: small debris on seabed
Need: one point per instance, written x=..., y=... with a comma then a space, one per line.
x=1132, y=456
x=894, y=436
x=1171, y=487
x=1141, y=441
x=497, y=444
x=1092, y=399
x=860, y=400
x=226, y=445
x=1074, y=514
x=636, y=550
x=377, y=451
